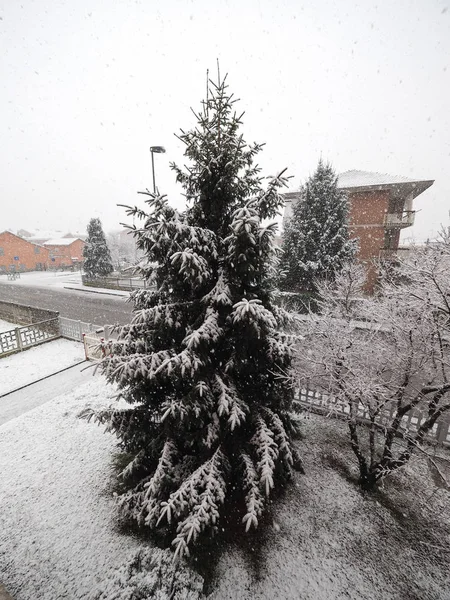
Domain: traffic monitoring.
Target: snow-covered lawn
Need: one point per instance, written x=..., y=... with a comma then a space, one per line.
x=330, y=541
x=6, y=325
x=57, y=527
x=30, y=365
x=59, y=535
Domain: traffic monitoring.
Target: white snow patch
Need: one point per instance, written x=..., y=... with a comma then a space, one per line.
x=45, y=279
x=6, y=325
x=355, y=178
x=61, y=241
x=57, y=279
x=30, y=365
x=57, y=521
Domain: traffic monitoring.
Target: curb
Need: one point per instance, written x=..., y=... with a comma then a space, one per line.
x=4, y=594
x=37, y=381
x=122, y=295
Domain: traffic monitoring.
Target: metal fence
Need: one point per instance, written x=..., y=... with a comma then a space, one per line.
x=73, y=330
x=94, y=347
x=90, y=334
x=117, y=283
x=21, y=338
x=329, y=405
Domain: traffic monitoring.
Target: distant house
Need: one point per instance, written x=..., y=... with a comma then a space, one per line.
x=23, y=233
x=380, y=207
x=65, y=252
x=18, y=255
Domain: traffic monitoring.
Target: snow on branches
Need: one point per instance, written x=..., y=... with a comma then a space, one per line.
x=97, y=257
x=316, y=239
x=386, y=357
x=196, y=502
x=198, y=362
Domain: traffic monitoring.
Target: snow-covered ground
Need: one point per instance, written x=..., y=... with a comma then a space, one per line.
x=59, y=534
x=6, y=325
x=57, y=279
x=25, y=367
x=45, y=279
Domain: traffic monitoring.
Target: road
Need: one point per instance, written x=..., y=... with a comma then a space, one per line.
x=84, y=306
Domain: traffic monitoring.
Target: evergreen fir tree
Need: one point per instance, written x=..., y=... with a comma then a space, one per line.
x=316, y=241
x=199, y=366
x=97, y=257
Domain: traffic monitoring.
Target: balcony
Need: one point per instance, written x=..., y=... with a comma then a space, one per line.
x=394, y=253
x=399, y=220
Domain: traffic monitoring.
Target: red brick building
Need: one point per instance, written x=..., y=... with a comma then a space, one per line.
x=65, y=252
x=380, y=207
x=19, y=255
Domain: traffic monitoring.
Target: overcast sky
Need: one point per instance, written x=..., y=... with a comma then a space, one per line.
x=87, y=86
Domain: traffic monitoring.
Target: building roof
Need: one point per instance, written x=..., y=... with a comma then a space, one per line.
x=367, y=181
x=21, y=238
x=61, y=241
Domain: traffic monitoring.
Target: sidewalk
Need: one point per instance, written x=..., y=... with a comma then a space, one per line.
x=104, y=291
x=24, y=368
x=21, y=401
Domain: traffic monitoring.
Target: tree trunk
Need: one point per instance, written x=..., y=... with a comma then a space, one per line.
x=368, y=480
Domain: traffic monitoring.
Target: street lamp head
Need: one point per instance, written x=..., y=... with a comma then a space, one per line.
x=157, y=149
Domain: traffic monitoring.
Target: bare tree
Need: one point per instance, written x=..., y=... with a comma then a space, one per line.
x=386, y=356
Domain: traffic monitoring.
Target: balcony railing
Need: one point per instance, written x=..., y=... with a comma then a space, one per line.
x=400, y=219
x=393, y=254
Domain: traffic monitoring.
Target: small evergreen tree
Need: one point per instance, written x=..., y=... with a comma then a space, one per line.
x=97, y=257
x=316, y=241
x=208, y=418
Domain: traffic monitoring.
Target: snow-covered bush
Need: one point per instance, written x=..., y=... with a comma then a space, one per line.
x=151, y=574
x=209, y=419
x=386, y=356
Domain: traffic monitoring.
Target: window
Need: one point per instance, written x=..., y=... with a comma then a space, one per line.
x=37, y=250
x=2, y=252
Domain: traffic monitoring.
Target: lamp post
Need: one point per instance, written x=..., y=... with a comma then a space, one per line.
x=158, y=150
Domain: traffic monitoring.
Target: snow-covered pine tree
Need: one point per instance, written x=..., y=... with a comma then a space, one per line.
x=316, y=241
x=208, y=418
x=97, y=257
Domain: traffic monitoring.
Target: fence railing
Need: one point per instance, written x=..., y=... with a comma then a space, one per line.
x=329, y=405
x=394, y=253
x=119, y=283
x=21, y=338
x=73, y=329
x=403, y=218
x=94, y=348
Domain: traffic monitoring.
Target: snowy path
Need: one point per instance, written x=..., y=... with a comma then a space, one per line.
x=33, y=364
x=17, y=403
